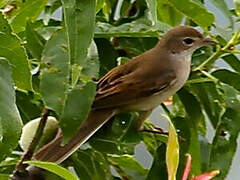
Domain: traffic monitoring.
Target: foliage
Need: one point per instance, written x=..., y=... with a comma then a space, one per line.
x=53, y=63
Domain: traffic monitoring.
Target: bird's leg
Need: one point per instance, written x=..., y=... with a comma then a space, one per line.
x=143, y=115
x=160, y=131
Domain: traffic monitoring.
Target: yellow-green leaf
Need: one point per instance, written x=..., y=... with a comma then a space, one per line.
x=172, y=154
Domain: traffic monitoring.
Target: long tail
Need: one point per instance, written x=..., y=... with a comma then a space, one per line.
x=55, y=152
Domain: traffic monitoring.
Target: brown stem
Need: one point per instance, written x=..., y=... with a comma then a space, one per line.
x=20, y=168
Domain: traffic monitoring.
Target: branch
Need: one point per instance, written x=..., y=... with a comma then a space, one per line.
x=21, y=168
x=220, y=51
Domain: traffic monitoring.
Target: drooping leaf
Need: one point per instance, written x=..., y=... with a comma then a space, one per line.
x=10, y=120
x=11, y=49
x=80, y=21
x=172, y=152
x=152, y=5
x=228, y=77
x=107, y=55
x=91, y=165
x=77, y=106
x=193, y=118
x=35, y=42
x=158, y=169
x=210, y=99
x=55, y=71
x=225, y=141
x=54, y=168
x=27, y=10
x=128, y=163
x=233, y=61
x=189, y=8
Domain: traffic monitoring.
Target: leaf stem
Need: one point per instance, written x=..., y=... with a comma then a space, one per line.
x=209, y=75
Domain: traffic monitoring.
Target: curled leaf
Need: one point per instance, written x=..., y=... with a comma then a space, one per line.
x=187, y=167
x=207, y=176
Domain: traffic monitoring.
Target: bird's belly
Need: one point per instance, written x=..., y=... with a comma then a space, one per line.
x=148, y=103
x=151, y=102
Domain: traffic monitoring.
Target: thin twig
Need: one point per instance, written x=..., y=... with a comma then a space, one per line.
x=220, y=51
x=29, y=153
x=166, y=110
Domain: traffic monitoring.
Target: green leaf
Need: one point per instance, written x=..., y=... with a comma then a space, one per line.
x=77, y=106
x=51, y=7
x=168, y=14
x=99, y=5
x=137, y=46
x=158, y=169
x=233, y=61
x=127, y=162
x=4, y=176
x=11, y=49
x=189, y=8
x=193, y=118
x=182, y=125
x=237, y=4
x=152, y=5
x=90, y=165
x=222, y=6
x=35, y=42
x=80, y=21
x=29, y=105
x=205, y=152
x=27, y=10
x=107, y=55
x=225, y=140
x=228, y=77
x=90, y=69
x=139, y=28
x=10, y=120
x=210, y=99
x=118, y=136
x=172, y=152
x=3, y=3
x=55, y=71
x=54, y=168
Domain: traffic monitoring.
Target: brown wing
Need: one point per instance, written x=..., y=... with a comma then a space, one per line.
x=128, y=82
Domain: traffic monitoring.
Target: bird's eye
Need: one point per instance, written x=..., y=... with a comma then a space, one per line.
x=188, y=41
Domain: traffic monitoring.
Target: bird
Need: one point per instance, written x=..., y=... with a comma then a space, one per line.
x=139, y=85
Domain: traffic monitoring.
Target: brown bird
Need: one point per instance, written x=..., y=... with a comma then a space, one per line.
x=138, y=85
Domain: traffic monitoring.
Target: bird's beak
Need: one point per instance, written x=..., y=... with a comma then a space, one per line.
x=208, y=41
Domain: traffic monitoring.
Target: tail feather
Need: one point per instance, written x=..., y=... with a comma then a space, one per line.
x=57, y=153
